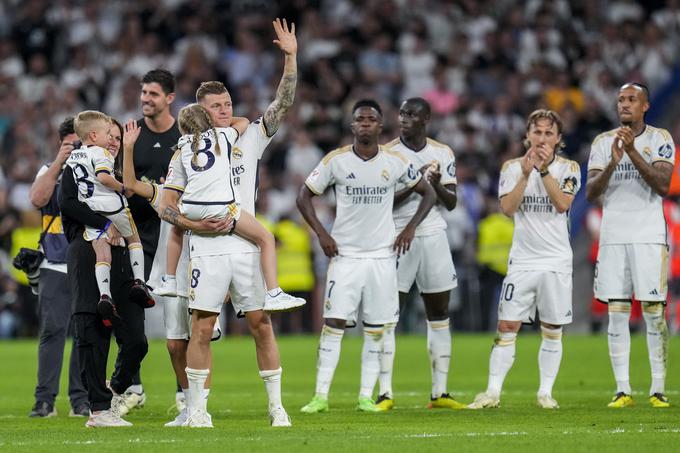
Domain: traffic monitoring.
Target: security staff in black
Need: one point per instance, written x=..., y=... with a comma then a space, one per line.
x=92, y=336
x=54, y=295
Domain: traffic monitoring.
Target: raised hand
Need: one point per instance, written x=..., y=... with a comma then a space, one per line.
x=131, y=132
x=528, y=161
x=285, y=38
x=617, y=149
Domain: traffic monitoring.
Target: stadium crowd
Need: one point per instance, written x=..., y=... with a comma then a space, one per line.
x=482, y=65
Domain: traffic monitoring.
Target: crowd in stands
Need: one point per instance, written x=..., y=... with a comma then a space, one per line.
x=483, y=65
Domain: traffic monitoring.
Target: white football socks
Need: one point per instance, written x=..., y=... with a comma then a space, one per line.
x=272, y=384
x=102, y=272
x=549, y=358
x=439, y=348
x=501, y=360
x=389, y=346
x=619, y=344
x=370, y=359
x=329, y=355
x=137, y=260
x=657, y=343
x=198, y=394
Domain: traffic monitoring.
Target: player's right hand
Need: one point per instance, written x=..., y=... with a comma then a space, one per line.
x=617, y=150
x=330, y=248
x=64, y=152
x=528, y=161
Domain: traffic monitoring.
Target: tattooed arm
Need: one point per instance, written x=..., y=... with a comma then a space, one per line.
x=285, y=93
x=167, y=210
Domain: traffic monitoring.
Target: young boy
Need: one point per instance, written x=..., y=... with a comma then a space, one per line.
x=92, y=166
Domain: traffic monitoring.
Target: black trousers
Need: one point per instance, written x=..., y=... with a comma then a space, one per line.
x=54, y=312
x=93, y=339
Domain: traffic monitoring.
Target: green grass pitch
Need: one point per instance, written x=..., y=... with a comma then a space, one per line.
x=238, y=404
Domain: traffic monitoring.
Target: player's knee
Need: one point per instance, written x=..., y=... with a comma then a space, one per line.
x=505, y=338
x=619, y=307
x=176, y=347
x=551, y=332
x=335, y=323
x=509, y=326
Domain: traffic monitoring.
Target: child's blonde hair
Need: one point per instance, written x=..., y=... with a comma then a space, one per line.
x=194, y=119
x=87, y=120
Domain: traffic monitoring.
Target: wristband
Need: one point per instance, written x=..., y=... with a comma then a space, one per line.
x=544, y=173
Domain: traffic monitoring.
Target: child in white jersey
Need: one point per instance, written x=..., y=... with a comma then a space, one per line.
x=201, y=170
x=92, y=168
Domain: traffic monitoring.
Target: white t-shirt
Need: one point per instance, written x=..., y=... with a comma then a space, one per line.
x=159, y=266
x=631, y=211
x=86, y=163
x=245, y=161
x=364, y=193
x=541, y=237
x=432, y=152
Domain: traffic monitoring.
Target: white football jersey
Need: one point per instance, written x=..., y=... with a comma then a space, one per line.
x=86, y=163
x=431, y=153
x=541, y=237
x=159, y=266
x=364, y=193
x=631, y=211
x=204, y=180
x=245, y=162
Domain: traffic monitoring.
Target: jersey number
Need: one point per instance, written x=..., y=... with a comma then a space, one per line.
x=195, y=273
x=81, y=175
x=507, y=291
x=331, y=284
x=208, y=154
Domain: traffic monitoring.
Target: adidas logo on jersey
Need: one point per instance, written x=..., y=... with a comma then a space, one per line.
x=157, y=145
x=351, y=176
x=568, y=314
x=654, y=292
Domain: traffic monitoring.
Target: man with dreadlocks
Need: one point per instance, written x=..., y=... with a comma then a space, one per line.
x=198, y=171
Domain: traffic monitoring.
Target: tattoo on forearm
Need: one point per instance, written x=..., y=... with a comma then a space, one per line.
x=171, y=216
x=285, y=94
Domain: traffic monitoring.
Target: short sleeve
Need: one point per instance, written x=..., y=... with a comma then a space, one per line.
x=664, y=149
x=410, y=175
x=598, y=159
x=508, y=179
x=321, y=177
x=42, y=171
x=102, y=160
x=262, y=139
x=571, y=181
x=155, y=199
x=177, y=177
x=229, y=133
x=448, y=168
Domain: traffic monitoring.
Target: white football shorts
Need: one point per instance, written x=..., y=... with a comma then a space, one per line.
x=206, y=211
x=524, y=292
x=429, y=263
x=367, y=282
x=176, y=317
x=212, y=277
x=123, y=222
x=626, y=270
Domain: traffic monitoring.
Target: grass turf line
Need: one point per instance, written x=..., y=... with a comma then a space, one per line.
x=238, y=403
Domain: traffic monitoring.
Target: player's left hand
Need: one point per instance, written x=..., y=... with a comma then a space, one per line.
x=403, y=242
x=434, y=176
x=543, y=155
x=285, y=38
x=131, y=132
x=626, y=135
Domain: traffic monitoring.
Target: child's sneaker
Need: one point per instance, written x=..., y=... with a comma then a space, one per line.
x=139, y=294
x=167, y=288
x=107, y=311
x=282, y=302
